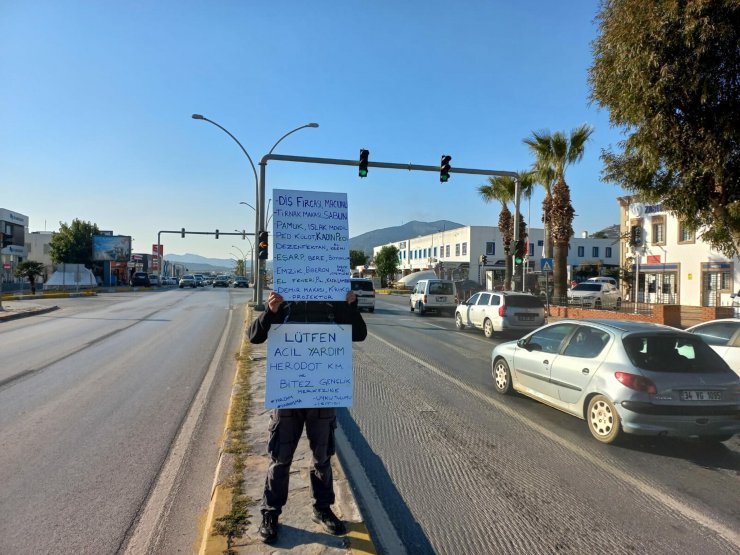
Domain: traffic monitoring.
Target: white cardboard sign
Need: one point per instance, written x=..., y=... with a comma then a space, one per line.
x=309, y=366
x=310, y=237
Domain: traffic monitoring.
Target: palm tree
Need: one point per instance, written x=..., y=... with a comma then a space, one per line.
x=502, y=189
x=554, y=152
x=30, y=270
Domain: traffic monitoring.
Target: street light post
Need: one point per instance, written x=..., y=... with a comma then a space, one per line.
x=254, y=253
x=244, y=257
x=259, y=280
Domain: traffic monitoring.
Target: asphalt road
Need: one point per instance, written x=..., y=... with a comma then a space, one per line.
x=111, y=407
x=460, y=469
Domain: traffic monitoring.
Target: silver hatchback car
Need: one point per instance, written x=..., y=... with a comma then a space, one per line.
x=624, y=376
x=500, y=311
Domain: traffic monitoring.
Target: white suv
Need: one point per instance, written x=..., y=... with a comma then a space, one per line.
x=501, y=311
x=433, y=294
x=365, y=291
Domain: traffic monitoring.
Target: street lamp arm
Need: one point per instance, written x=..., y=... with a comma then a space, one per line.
x=290, y=133
x=222, y=128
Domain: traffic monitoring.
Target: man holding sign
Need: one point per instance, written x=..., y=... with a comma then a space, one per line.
x=308, y=363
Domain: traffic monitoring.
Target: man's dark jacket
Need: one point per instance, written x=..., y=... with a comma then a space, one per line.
x=313, y=312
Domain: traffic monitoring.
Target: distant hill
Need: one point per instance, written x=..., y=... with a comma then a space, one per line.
x=409, y=230
x=197, y=263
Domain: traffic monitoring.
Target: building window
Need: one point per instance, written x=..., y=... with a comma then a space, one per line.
x=685, y=235
x=457, y=249
x=581, y=252
x=607, y=252
x=531, y=249
x=447, y=251
x=490, y=247
x=595, y=252
x=464, y=249
x=658, y=228
x=540, y=243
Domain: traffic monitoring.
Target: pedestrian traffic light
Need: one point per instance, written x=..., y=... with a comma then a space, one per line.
x=182, y=233
x=638, y=235
x=364, y=154
x=5, y=240
x=444, y=170
x=483, y=259
x=263, y=245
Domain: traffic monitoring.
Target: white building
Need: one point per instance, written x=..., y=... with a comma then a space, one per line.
x=674, y=265
x=13, y=229
x=456, y=253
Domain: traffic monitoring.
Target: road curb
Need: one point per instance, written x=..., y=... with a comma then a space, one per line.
x=26, y=314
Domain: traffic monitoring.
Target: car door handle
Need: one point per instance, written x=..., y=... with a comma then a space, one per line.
x=585, y=371
x=545, y=361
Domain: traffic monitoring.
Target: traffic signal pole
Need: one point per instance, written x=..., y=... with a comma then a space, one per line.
x=341, y=162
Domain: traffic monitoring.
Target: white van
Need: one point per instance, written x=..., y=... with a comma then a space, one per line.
x=433, y=294
x=365, y=291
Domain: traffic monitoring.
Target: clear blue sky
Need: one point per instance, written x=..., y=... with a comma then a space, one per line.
x=96, y=99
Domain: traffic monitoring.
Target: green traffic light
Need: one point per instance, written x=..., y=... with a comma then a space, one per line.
x=518, y=260
x=363, y=173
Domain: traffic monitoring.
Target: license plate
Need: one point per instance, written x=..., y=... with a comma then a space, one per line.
x=526, y=317
x=441, y=299
x=692, y=395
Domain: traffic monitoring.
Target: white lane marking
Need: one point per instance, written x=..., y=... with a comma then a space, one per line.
x=728, y=534
x=158, y=504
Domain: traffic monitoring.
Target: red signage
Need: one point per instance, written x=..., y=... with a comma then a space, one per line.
x=6, y=266
x=653, y=259
x=157, y=251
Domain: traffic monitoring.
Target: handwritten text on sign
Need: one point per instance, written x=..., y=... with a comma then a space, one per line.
x=310, y=233
x=309, y=366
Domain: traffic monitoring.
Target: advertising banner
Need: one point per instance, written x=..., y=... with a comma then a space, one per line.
x=310, y=233
x=309, y=366
x=115, y=248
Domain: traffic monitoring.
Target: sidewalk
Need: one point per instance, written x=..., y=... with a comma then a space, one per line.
x=12, y=310
x=297, y=533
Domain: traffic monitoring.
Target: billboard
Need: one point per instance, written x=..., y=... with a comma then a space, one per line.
x=114, y=248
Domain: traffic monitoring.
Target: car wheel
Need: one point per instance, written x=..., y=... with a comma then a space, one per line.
x=458, y=322
x=501, y=376
x=597, y=304
x=181, y=286
x=411, y=306
x=488, y=328
x=603, y=419
x=371, y=309
x=619, y=304
x=420, y=308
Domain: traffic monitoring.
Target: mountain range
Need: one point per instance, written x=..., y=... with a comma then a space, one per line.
x=364, y=242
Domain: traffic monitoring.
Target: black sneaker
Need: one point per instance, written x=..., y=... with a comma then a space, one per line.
x=329, y=521
x=268, y=528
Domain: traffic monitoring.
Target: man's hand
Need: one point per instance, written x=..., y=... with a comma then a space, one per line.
x=274, y=301
x=351, y=297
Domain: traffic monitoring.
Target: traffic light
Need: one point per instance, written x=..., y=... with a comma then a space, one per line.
x=519, y=251
x=182, y=233
x=5, y=240
x=217, y=234
x=444, y=169
x=263, y=245
x=364, y=154
x=483, y=259
x=635, y=235
x=244, y=234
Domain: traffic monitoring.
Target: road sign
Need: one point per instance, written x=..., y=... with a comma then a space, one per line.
x=6, y=266
x=546, y=264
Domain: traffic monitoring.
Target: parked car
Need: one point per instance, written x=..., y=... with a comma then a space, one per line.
x=603, y=279
x=187, y=281
x=241, y=282
x=365, y=291
x=140, y=279
x=593, y=294
x=153, y=279
x=624, y=377
x=433, y=294
x=200, y=281
x=221, y=281
x=724, y=337
x=500, y=311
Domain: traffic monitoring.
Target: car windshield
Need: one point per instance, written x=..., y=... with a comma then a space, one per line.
x=587, y=287
x=524, y=301
x=669, y=352
x=440, y=288
x=360, y=285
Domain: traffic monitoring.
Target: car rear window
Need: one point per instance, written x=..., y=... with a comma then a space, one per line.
x=441, y=288
x=673, y=353
x=362, y=285
x=524, y=301
x=587, y=287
